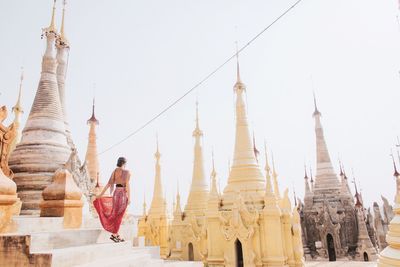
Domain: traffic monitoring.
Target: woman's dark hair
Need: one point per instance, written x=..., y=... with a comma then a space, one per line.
x=121, y=161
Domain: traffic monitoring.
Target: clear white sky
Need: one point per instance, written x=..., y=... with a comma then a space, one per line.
x=143, y=54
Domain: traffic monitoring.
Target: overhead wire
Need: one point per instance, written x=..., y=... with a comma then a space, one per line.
x=208, y=76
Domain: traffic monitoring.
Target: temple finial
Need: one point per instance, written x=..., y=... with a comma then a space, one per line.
x=341, y=168
x=316, y=111
x=157, y=154
x=62, y=33
x=305, y=172
x=17, y=108
x=274, y=173
x=256, y=152
x=237, y=63
x=267, y=167
x=396, y=173
x=357, y=195
x=197, y=132
x=93, y=118
x=239, y=86
x=311, y=177
x=52, y=27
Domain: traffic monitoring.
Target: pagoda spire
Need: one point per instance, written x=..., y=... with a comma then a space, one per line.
x=245, y=173
x=63, y=39
x=63, y=47
x=311, y=180
x=91, y=152
x=396, y=173
x=18, y=111
x=198, y=195
x=178, y=209
x=144, y=204
x=275, y=176
x=307, y=189
x=214, y=188
x=157, y=207
x=45, y=130
x=52, y=26
x=345, y=188
x=256, y=152
x=326, y=180
x=269, y=191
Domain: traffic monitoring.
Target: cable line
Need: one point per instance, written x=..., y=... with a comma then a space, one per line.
x=208, y=76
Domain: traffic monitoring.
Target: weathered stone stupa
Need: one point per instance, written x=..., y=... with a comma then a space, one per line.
x=329, y=215
x=43, y=147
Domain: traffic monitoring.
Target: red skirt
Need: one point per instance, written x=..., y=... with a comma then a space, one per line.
x=111, y=210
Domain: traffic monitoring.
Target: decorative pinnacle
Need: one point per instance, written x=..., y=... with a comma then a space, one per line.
x=316, y=111
x=52, y=27
x=358, y=200
x=62, y=39
x=17, y=108
x=213, y=172
x=197, y=132
x=157, y=154
x=311, y=176
x=396, y=173
x=274, y=173
x=93, y=117
x=341, y=169
x=239, y=86
x=305, y=172
x=256, y=152
x=237, y=63
x=267, y=167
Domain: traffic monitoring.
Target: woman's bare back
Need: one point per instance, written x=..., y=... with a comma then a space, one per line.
x=120, y=176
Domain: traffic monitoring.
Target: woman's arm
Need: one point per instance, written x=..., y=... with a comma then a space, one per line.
x=104, y=190
x=110, y=182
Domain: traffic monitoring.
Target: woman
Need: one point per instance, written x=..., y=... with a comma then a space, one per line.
x=112, y=209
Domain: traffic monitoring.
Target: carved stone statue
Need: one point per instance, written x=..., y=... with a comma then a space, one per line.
x=7, y=136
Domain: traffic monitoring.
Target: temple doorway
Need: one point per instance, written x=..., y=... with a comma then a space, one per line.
x=239, y=253
x=190, y=251
x=331, y=247
x=366, y=256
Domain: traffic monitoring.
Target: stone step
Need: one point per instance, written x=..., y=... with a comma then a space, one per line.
x=27, y=224
x=67, y=238
x=80, y=255
x=141, y=260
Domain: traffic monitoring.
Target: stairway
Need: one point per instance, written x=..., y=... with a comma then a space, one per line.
x=43, y=242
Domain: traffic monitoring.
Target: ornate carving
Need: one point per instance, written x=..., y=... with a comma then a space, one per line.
x=7, y=136
x=81, y=177
x=240, y=222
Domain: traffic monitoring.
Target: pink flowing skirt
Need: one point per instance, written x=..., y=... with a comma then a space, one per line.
x=111, y=210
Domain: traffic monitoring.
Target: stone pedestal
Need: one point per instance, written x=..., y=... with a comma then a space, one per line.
x=8, y=200
x=62, y=198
